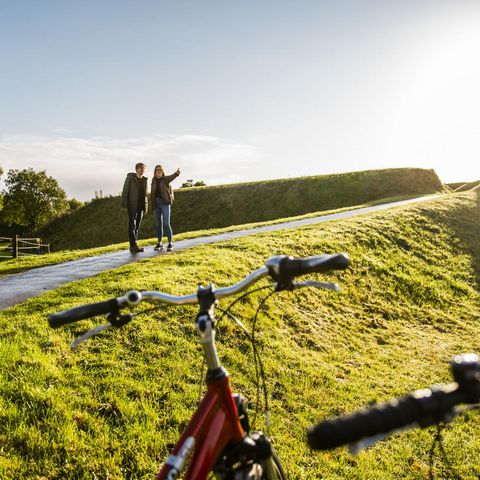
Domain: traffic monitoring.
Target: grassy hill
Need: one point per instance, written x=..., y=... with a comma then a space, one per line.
x=111, y=408
x=103, y=222
x=463, y=186
x=10, y=266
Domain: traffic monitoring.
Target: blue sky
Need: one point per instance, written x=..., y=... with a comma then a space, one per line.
x=237, y=91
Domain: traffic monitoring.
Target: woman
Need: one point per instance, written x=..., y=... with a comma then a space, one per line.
x=162, y=197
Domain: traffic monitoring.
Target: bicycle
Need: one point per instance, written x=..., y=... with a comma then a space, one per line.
x=422, y=408
x=217, y=440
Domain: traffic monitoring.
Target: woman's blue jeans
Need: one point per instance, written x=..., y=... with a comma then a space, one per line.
x=162, y=218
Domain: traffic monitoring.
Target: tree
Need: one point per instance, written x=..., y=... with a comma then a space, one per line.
x=32, y=198
x=189, y=183
x=73, y=204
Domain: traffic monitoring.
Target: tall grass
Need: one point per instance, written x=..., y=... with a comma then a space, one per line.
x=112, y=408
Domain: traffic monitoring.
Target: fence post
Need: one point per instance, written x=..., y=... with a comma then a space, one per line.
x=15, y=246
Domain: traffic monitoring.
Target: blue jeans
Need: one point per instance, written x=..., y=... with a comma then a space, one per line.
x=162, y=218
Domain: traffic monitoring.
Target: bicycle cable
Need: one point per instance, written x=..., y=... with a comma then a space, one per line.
x=438, y=441
x=262, y=372
x=224, y=312
x=256, y=361
x=260, y=377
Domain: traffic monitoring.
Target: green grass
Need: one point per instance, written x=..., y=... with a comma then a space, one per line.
x=112, y=408
x=102, y=222
x=9, y=266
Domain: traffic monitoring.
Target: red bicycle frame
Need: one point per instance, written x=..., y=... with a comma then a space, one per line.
x=214, y=425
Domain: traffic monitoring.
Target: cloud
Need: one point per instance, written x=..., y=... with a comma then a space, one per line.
x=85, y=165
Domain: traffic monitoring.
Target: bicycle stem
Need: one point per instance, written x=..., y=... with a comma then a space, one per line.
x=205, y=324
x=206, y=331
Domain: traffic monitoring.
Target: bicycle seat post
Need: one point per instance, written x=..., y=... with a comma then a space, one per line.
x=205, y=323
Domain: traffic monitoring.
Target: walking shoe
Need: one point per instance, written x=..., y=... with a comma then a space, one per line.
x=169, y=247
x=158, y=246
x=136, y=249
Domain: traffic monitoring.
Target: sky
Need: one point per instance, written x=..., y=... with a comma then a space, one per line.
x=232, y=91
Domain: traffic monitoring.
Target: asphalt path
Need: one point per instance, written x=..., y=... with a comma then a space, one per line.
x=19, y=287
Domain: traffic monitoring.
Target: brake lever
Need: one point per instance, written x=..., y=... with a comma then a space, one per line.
x=89, y=334
x=316, y=284
x=115, y=321
x=364, y=443
x=367, y=442
x=473, y=406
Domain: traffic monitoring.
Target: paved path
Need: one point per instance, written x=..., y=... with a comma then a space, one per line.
x=19, y=287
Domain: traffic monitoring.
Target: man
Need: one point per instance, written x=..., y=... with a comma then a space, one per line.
x=134, y=199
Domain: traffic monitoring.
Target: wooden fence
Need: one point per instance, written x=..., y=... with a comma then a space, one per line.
x=16, y=247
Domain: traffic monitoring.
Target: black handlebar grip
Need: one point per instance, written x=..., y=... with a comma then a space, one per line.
x=424, y=407
x=292, y=267
x=58, y=319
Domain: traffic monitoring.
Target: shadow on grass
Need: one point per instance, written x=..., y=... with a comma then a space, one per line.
x=464, y=222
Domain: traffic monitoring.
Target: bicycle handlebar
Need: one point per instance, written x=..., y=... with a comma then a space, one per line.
x=421, y=408
x=281, y=268
x=285, y=268
x=65, y=317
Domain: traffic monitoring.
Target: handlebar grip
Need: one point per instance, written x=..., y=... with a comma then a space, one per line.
x=64, y=317
x=424, y=407
x=292, y=267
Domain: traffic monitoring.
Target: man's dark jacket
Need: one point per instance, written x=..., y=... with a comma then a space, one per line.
x=130, y=192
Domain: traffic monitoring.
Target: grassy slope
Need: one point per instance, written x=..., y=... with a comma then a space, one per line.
x=462, y=186
x=9, y=266
x=111, y=409
x=103, y=222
